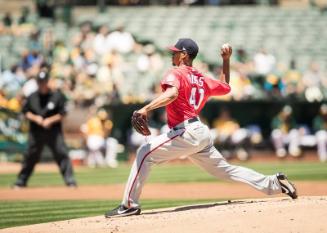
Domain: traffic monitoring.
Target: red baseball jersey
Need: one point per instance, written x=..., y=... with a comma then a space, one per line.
x=194, y=89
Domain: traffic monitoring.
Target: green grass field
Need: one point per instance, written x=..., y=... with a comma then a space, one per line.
x=171, y=173
x=31, y=212
x=15, y=213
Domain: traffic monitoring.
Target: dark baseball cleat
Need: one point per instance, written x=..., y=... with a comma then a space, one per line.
x=122, y=211
x=72, y=185
x=287, y=187
x=18, y=186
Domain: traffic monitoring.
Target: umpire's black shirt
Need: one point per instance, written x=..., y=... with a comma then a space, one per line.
x=45, y=105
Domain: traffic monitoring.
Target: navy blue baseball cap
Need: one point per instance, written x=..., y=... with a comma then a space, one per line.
x=187, y=45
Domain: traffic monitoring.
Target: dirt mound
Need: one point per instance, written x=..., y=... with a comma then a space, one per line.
x=307, y=214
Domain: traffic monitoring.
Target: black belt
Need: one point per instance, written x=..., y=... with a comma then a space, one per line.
x=194, y=119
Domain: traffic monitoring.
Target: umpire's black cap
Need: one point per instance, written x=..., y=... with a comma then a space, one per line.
x=187, y=45
x=42, y=76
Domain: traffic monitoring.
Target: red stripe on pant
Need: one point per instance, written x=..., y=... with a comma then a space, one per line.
x=146, y=155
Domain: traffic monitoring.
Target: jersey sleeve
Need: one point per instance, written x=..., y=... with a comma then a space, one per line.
x=217, y=87
x=170, y=79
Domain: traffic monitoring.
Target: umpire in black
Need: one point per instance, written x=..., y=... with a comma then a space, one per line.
x=45, y=110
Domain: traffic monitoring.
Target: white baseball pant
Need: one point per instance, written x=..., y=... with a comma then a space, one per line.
x=194, y=141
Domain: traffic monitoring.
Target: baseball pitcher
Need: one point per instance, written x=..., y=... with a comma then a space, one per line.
x=185, y=92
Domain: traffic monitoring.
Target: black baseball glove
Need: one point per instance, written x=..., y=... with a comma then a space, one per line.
x=139, y=122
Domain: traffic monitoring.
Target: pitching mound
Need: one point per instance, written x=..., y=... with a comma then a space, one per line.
x=307, y=214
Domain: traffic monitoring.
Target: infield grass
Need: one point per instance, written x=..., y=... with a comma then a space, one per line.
x=18, y=213
x=171, y=173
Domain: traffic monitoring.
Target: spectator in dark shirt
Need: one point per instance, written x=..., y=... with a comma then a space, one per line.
x=7, y=20
x=285, y=132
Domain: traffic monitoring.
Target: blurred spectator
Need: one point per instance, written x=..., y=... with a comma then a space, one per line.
x=24, y=14
x=60, y=53
x=313, y=82
x=95, y=140
x=107, y=76
x=285, y=132
x=242, y=63
x=274, y=86
x=84, y=38
x=264, y=63
x=320, y=4
x=30, y=59
x=227, y=131
x=320, y=129
x=15, y=103
x=12, y=80
x=45, y=8
x=7, y=20
x=100, y=41
x=242, y=87
x=293, y=81
x=111, y=143
x=48, y=42
x=11, y=103
x=34, y=42
x=120, y=41
x=241, y=56
x=254, y=134
x=97, y=130
x=29, y=87
x=3, y=99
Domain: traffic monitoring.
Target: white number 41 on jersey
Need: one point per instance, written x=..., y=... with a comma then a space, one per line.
x=199, y=82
